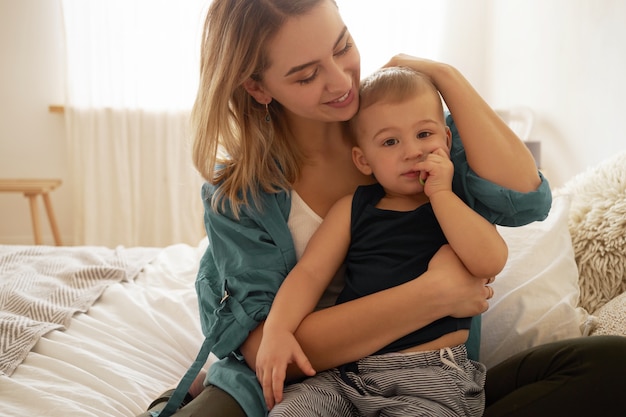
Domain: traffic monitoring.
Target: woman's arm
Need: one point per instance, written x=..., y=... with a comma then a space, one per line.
x=493, y=150
x=352, y=330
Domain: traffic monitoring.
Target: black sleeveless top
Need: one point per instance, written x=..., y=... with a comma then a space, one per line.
x=389, y=248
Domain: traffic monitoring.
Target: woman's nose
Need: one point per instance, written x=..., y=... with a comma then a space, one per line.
x=339, y=80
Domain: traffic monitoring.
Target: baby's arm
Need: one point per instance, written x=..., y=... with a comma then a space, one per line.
x=476, y=241
x=297, y=297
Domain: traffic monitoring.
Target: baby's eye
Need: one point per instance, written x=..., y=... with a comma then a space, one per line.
x=423, y=135
x=390, y=142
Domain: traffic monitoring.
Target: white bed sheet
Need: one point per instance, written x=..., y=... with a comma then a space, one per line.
x=137, y=340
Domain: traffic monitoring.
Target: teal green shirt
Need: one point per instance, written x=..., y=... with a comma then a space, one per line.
x=248, y=258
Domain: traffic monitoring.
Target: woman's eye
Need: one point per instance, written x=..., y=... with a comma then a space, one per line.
x=390, y=142
x=308, y=79
x=345, y=49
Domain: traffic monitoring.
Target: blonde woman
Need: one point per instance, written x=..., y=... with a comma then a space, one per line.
x=278, y=79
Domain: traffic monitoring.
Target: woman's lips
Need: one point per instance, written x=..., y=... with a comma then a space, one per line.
x=342, y=98
x=343, y=101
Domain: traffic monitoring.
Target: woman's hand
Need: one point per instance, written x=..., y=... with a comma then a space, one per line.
x=493, y=150
x=277, y=350
x=462, y=294
x=425, y=66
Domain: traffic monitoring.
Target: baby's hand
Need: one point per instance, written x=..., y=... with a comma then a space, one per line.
x=436, y=172
x=277, y=350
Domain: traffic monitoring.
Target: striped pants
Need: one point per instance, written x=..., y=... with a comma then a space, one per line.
x=435, y=383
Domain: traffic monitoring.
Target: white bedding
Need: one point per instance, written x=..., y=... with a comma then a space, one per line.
x=136, y=341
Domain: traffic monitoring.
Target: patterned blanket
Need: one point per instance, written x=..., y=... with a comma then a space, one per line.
x=41, y=287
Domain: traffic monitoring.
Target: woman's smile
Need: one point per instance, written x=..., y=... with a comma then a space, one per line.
x=344, y=100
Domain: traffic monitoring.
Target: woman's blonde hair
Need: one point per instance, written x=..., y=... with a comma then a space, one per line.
x=234, y=147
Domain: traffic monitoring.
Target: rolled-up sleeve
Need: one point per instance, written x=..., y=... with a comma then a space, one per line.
x=497, y=204
x=245, y=262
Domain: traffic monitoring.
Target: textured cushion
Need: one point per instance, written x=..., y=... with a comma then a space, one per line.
x=536, y=295
x=597, y=223
x=611, y=317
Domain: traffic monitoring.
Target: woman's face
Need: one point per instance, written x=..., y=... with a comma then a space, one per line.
x=314, y=66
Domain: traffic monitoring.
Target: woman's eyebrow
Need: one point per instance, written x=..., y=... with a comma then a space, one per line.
x=303, y=66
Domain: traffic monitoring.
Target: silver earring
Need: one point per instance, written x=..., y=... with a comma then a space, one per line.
x=267, y=113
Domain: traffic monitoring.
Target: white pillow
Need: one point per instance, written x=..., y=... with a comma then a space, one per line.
x=536, y=295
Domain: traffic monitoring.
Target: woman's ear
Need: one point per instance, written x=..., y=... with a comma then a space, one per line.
x=360, y=161
x=256, y=90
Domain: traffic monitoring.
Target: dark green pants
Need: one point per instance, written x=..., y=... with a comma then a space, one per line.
x=212, y=402
x=575, y=377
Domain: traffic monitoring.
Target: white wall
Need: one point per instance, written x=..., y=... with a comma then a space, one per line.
x=32, y=140
x=563, y=58
x=566, y=60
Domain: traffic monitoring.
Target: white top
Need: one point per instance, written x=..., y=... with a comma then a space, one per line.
x=302, y=223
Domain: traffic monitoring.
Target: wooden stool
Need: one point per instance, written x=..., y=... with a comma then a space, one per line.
x=31, y=189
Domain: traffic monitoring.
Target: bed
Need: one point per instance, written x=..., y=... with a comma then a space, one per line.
x=137, y=338
x=132, y=335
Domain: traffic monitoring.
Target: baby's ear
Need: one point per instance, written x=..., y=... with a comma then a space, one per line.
x=256, y=90
x=448, y=137
x=360, y=161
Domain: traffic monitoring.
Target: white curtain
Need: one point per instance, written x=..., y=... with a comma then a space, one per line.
x=131, y=79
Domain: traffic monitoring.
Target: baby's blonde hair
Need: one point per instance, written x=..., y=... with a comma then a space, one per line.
x=233, y=145
x=391, y=85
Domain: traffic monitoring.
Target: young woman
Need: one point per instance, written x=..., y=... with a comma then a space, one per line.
x=278, y=79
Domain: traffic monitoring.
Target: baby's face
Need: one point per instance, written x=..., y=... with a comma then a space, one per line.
x=388, y=133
